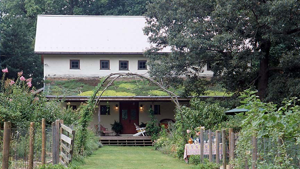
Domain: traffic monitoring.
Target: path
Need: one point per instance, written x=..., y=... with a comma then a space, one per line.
x=118, y=157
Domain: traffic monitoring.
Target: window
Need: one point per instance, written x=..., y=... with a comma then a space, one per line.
x=104, y=110
x=73, y=107
x=208, y=66
x=123, y=65
x=156, y=109
x=142, y=65
x=74, y=64
x=104, y=64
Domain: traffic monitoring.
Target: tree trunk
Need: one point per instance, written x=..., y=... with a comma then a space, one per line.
x=263, y=70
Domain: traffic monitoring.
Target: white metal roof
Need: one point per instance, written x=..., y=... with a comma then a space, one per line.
x=74, y=34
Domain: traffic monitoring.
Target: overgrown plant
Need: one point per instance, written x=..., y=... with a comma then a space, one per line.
x=152, y=126
x=278, y=126
x=21, y=105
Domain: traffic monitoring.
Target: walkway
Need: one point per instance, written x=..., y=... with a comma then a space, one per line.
x=127, y=157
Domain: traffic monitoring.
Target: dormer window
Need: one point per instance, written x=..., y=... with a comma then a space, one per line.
x=142, y=65
x=74, y=64
x=123, y=65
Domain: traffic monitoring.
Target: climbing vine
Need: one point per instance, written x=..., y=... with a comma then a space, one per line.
x=88, y=109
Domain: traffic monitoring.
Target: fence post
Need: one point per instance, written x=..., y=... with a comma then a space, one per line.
x=231, y=143
x=217, y=147
x=6, y=143
x=202, y=144
x=254, y=152
x=43, y=141
x=31, y=146
x=53, y=143
x=210, y=145
x=224, y=147
x=57, y=140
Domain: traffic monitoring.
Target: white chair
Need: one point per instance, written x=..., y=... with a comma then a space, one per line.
x=140, y=130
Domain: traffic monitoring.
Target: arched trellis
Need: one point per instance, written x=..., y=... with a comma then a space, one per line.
x=114, y=76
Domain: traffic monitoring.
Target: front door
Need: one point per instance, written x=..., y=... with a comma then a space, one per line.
x=129, y=114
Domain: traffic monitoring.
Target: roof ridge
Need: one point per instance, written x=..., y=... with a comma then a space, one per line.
x=100, y=16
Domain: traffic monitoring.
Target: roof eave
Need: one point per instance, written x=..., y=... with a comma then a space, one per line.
x=94, y=53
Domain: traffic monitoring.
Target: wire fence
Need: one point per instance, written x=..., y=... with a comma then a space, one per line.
x=19, y=147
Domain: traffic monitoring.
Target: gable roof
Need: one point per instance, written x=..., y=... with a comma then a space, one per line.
x=75, y=34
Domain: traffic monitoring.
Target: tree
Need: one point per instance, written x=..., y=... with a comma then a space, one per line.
x=246, y=42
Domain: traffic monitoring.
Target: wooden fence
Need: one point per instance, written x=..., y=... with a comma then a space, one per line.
x=62, y=145
x=227, y=139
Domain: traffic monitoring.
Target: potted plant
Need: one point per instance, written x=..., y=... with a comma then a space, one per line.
x=117, y=127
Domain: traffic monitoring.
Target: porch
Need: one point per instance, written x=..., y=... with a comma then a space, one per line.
x=126, y=140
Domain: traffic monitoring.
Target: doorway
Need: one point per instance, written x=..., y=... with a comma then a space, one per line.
x=129, y=114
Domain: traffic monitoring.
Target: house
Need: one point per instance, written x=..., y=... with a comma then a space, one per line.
x=96, y=46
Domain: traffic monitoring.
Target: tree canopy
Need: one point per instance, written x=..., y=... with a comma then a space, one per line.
x=247, y=43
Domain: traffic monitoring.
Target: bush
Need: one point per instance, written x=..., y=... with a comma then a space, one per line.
x=152, y=126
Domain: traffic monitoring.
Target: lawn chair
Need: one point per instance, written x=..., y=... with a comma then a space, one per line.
x=140, y=130
x=104, y=130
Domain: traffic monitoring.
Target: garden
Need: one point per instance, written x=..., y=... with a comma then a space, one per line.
x=275, y=128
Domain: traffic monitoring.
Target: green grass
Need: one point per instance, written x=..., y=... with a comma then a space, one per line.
x=118, y=157
x=119, y=88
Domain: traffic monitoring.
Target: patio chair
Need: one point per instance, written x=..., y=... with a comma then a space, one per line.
x=104, y=130
x=140, y=130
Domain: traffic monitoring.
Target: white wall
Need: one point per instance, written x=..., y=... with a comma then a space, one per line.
x=59, y=65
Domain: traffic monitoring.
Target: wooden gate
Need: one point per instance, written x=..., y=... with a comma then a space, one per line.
x=63, y=143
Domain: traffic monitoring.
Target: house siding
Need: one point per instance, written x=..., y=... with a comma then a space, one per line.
x=58, y=66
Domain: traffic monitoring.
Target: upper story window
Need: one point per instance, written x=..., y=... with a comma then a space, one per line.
x=123, y=65
x=142, y=65
x=104, y=64
x=74, y=64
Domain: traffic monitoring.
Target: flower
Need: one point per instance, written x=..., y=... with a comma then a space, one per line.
x=29, y=80
x=10, y=100
x=5, y=70
x=22, y=78
x=29, y=84
x=188, y=131
x=20, y=73
x=12, y=82
x=197, y=133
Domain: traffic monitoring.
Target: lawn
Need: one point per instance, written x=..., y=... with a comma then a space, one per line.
x=116, y=157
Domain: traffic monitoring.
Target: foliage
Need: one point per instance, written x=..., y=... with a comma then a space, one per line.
x=278, y=125
x=201, y=114
x=157, y=93
x=109, y=93
x=152, y=127
x=86, y=112
x=20, y=105
x=247, y=43
x=206, y=164
x=117, y=127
